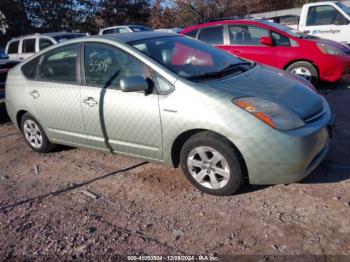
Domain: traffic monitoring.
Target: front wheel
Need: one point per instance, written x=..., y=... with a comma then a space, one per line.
x=211, y=164
x=305, y=70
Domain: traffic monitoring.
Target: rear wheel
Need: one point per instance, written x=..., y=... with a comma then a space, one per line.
x=34, y=134
x=305, y=70
x=211, y=164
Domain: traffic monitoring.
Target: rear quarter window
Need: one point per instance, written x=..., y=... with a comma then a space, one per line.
x=13, y=47
x=29, y=69
x=192, y=33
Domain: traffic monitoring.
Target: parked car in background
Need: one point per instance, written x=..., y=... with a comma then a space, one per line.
x=174, y=100
x=5, y=66
x=20, y=48
x=278, y=46
x=330, y=19
x=170, y=30
x=124, y=29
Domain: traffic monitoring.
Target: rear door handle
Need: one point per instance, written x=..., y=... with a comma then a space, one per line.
x=35, y=94
x=90, y=101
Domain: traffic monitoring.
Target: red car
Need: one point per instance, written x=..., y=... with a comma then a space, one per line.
x=278, y=46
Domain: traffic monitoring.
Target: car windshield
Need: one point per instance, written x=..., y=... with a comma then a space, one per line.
x=289, y=30
x=344, y=7
x=65, y=37
x=191, y=59
x=140, y=28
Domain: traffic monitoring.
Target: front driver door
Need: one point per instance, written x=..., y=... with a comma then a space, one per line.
x=124, y=122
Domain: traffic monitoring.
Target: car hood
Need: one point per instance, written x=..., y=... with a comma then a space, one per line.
x=275, y=85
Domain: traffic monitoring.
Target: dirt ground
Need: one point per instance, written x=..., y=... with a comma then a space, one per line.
x=134, y=208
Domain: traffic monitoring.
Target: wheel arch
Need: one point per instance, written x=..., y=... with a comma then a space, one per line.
x=302, y=60
x=19, y=116
x=183, y=137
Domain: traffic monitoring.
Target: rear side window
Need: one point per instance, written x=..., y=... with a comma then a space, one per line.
x=30, y=69
x=13, y=47
x=108, y=31
x=60, y=65
x=212, y=35
x=106, y=65
x=140, y=29
x=192, y=33
x=280, y=40
x=28, y=45
x=324, y=15
x=43, y=43
x=246, y=35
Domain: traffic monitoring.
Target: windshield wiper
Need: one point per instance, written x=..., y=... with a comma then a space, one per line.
x=226, y=70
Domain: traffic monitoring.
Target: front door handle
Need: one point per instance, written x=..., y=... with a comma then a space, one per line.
x=35, y=94
x=90, y=101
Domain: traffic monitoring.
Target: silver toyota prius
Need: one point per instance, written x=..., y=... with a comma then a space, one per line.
x=173, y=100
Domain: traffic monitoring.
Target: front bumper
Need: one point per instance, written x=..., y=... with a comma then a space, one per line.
x=287, y=157
x=335, y=68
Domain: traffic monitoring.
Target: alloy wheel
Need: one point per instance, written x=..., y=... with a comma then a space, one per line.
x=32, y=133
x=208, y=167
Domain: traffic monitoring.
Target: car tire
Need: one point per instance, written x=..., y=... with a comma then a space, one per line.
x=212, y=164
x=34, y=134
x=305, y=70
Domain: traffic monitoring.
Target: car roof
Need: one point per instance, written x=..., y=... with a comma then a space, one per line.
x=54, y=34
x=51, y=34
x=117, y=26
x=130, y=37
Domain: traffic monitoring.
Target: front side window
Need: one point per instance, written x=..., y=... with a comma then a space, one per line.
x=212, y=35
x=28, y=45
x=13, y=47
x=246, y=35
x=60, y=65
x=324, y=15
x=107, y=65
x=280, y=40
x=189, y=58
x=108, y=31
x=44, y=42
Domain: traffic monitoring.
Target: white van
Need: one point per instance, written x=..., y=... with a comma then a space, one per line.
x=20, y=48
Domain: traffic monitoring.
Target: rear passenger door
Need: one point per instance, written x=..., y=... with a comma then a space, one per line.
x=53, y=94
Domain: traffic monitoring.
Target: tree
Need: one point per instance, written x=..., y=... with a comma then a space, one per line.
x=114, y=12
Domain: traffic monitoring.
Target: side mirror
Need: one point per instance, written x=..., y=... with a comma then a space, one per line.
x=266, y=40
x=133, y=84
x=4, y=56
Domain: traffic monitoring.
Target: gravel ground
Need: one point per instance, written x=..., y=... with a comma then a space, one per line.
x=76, y=203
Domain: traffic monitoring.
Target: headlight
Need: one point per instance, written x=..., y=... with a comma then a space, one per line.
x=329, y=49
x=269, y=112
